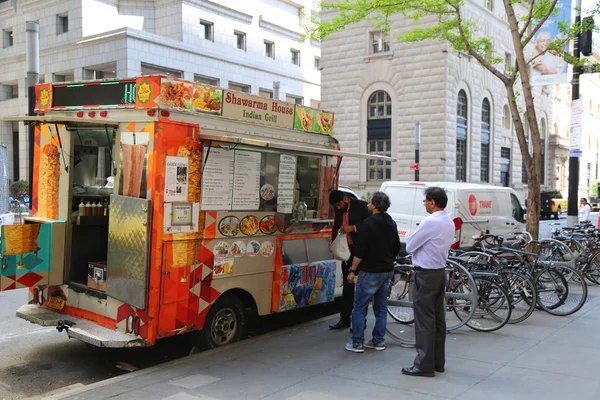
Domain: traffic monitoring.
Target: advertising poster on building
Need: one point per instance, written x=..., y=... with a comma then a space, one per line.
x=548, y=67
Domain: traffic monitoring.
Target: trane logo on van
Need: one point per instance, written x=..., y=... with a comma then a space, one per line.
x=474, y=205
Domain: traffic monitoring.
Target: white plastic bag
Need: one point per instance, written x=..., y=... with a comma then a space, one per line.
x=339, y=247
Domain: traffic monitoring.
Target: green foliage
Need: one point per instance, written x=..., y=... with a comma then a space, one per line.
x=18, y=189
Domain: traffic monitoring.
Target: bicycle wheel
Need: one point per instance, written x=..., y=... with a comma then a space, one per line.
x=493, y=307
x=522, y=293
x=561, y=290
x=592, y=269
x=461, y=295
x=400, y=298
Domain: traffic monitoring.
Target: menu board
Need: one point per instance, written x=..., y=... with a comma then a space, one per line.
x=285, y=188
x=217, y=179
x=246, y=180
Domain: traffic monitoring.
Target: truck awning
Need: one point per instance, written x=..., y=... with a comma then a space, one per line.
x=70, y=120
x=295, y=147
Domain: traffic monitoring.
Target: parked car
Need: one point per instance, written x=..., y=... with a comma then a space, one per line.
x=552, y=204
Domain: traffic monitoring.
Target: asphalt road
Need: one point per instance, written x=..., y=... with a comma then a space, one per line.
x=36, y=360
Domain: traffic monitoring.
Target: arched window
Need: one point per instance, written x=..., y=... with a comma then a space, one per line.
x=555, y=128
x=485, y=140
x=379, y=135
x=543, y=158
x=380, y=105
x=461, y=137
x=506, y=117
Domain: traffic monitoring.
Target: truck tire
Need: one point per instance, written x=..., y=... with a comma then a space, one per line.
x=226, y=322
x=557, y=213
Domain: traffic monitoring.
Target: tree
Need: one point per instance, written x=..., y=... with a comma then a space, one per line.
x=19, y=189
x=525, y=18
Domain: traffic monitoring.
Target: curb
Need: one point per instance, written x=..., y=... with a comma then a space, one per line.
x=86, y=388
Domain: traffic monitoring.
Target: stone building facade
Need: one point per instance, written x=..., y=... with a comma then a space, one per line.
x=242, y=45
x=466, y=129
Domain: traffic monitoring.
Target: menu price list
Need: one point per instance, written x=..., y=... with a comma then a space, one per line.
x=287, y=179
x=246, y=180
x=217, y=179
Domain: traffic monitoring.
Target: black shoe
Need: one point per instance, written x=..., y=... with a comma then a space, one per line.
x=414, y=371
x=441, y=369
x=340, y=325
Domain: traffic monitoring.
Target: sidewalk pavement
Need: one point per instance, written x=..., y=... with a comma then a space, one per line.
x=545, y=357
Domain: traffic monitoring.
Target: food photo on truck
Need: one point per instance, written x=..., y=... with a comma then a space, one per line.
x=160, y=208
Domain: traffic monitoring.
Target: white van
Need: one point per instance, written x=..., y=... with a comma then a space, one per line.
x=473, y=208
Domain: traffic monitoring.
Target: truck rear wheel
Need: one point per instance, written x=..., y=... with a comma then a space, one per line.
x=226, y=323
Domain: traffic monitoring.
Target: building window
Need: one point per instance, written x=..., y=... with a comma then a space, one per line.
x=318, y=63
x=505, y=166
x=149, y=69
x=506, y=117
x=379, y=170
x=315, y=104
x=485, y=140
x=265, y=93
x=9, y=91
x=301, y=16
x=380, y=105
x=207, y=30
x=461, y=137
x=240, y=40
x=507, y=62
x=489, y=4
x=62, y=24
x=206, y=80
x=269, y=49
x=379, y=135
x=63, y=76
x=543, y=155
x=290, y=98
x=295, y=56
x=7, y=38
x=379, y=43
x=240, y=87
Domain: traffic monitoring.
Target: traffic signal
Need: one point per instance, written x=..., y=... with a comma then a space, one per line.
x=585, y=42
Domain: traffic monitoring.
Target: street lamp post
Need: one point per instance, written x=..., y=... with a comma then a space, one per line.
x=575, y=130
x=417, y=148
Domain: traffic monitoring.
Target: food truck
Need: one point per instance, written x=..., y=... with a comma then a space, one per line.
x=162, y=207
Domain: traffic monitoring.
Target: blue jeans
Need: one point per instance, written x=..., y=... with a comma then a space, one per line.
x=370, y=286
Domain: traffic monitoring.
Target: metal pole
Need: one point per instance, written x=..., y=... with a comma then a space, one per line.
x=417, y=148
x=574, y=161
x=276, y=86
x=32, y=61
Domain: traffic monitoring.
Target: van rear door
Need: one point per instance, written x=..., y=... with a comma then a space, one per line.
x=401, y=209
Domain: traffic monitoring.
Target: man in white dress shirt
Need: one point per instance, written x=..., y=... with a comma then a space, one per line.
x=429, y=246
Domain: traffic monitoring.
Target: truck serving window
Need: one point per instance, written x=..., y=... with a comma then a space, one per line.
x=285, y=182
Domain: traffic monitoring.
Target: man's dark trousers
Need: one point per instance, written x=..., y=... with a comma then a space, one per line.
x=348, y=289
x=430, y=318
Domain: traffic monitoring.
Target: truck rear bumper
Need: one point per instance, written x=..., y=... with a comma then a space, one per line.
x=86, y=331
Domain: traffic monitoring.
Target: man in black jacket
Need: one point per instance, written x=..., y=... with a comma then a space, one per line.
x=349, y=214
x=375, y=251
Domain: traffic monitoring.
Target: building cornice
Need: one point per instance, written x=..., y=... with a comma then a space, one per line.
x=28, y=6
x=221, y=10
x=279, y=30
